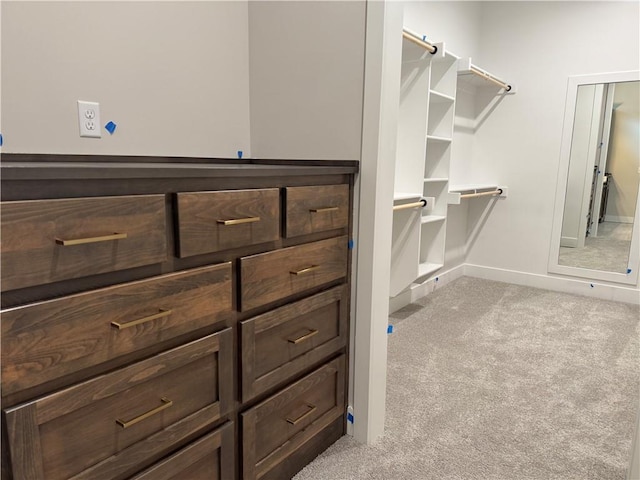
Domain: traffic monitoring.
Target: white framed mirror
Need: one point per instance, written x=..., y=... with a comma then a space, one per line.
x=596, y=219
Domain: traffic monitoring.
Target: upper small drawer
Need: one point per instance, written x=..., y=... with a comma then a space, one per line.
x=267, y=277
x=316, y=209
x=214, y=221
x=48, y=340
x=45, y=241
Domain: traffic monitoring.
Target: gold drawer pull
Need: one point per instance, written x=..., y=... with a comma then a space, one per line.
x=166, y=403
x=312, y=408
x=304, y=337
x=305, y=270
x=238, y=221
x=162, y=313
x=325, y=209
x=80, y=241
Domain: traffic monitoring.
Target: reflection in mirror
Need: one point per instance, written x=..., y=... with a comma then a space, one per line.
x=603, y=177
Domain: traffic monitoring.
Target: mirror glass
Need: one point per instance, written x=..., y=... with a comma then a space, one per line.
x=602, y=179
x=596, y=224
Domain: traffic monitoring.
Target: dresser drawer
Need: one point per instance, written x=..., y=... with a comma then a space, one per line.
x=47, y=241
x=288, y=340
x=316, y=209
x=106, y=426
x=267, y=277
x=210, y=458
x=50, y=339
x=282, y=424
x=214, y=221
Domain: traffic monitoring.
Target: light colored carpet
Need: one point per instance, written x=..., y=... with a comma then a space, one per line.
x=489, y=380
x=608, y=251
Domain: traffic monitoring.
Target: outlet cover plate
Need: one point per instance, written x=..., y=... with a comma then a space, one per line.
x=89, y=119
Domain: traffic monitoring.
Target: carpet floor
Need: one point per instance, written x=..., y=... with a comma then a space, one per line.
x=488, y=380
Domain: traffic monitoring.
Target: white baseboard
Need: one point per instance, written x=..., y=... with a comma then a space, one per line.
x=569, y=242
x=419, y=290
x=617, y=219
x=559, y=284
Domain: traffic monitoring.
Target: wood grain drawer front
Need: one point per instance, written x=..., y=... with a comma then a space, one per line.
x=214, y=221
x=210, y=458
x=316, y=209
x=45, y=241
x=48, y=340
x=270, y=276
x=106, y=426
x=277, y=427
x=286, y=341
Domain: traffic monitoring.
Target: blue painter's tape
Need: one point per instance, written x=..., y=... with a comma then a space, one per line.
x=1, y=140
x=350, y=244
x=110, y=127
x=239, y=153
x=628, y=269
x=349, y=417
x=389, y=328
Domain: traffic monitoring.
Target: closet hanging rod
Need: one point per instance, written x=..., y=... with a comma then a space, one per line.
x=432, y=49
x=422, y=203
x=482, y=194
x=488, y=77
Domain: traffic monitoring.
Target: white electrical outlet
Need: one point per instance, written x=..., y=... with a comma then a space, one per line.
x=89, y=119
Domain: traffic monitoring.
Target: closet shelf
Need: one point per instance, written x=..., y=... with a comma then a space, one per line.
x=460, y=192
x=478, y=77
x=435, y=138
x=437, y=97
x=419, y=41
x=432, y=218
x=436, y=180
x=400, y=196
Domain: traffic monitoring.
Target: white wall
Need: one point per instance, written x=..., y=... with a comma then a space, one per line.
x=537, y=46
x=181, y=78
x=307, y=74
x=457, y=24
x=173, y=76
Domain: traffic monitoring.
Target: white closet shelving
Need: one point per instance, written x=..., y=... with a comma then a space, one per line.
x=481, y=78
x=425, y=135
x=459, y=192
x=478, y=82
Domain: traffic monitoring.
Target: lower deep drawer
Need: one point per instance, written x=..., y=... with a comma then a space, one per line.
x=288, y=340
x=209, y=458
x=100, y=428
x=278, y=427
x=48, y=340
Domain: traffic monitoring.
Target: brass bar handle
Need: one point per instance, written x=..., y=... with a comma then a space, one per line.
x=325, y=209
x=305, y=270
x=162, y=313
x=238, y=221
x=80, y=241
x=304, y=337
x=312, y=408
x=166, y=403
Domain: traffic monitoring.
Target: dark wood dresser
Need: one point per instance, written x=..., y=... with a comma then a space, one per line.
x=172, y=318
